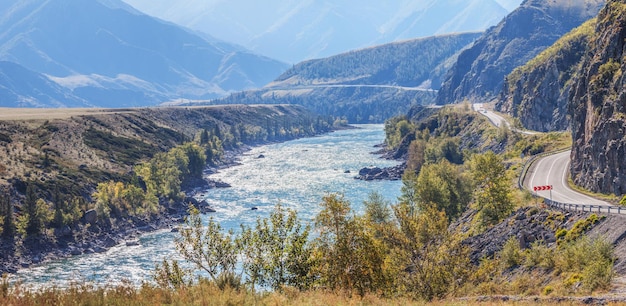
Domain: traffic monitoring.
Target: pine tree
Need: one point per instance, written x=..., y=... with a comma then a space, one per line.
x=8, y=226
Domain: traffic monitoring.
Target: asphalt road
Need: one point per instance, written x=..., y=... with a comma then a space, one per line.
x=496, y=119
x=553, y=170
x=316, y=86
x=550, y=170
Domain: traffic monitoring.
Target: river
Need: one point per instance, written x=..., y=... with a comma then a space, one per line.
x=296, y=173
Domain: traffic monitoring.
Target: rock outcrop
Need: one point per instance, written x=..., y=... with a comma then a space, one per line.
x=480, y=70
x=526, y=225
x=598, y=107
x=538, y=92
x=375, y=173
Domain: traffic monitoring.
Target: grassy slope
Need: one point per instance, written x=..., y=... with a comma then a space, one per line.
x=89, y=144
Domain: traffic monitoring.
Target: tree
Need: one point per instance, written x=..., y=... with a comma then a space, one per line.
x=36, y=213
x=276, y=252
x=492, y=195
x=443, y=187
x=209, y=249
x=347, y=256
x=8, y=224
x=428, y=261
x=377, y=209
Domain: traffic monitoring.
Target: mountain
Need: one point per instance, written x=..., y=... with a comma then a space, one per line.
x=598, y=109
x=21, y=87
x=112, y=55
x=479, y=72
x=293, y=31
x=408, y=63
x=538, y=92
x=367, y=85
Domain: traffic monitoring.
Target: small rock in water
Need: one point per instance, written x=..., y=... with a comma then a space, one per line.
x=261, y=156
x=347, y=171
x=254, y=208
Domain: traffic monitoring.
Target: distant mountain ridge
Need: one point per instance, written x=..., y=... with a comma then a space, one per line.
x=110, y=54
x=364, y=86
x=294, y=31
x=410, y=63
x=479, y=72
x=21, y=87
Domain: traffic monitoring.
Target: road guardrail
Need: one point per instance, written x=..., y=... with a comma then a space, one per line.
x=603, y=209
x=606, y=209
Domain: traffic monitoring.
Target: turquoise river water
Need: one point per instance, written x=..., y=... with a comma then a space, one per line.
x=296, y=173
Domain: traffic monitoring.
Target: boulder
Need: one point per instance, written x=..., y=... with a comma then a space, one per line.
x=90, y=216
x=109, y=242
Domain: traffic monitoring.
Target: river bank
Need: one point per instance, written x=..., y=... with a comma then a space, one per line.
x=88, y=236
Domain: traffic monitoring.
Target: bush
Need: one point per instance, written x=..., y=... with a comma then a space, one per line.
x=511, y=254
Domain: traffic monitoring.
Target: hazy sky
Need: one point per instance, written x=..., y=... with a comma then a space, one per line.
x=294, y=30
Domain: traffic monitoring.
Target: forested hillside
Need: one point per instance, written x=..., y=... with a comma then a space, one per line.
x=410, y=63
x=364, y=86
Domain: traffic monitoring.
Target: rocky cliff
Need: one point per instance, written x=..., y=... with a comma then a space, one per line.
x=598, y=107
x=538, y=92
x=480, y=70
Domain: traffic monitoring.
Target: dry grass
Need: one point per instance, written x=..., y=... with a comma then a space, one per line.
x=27, y=114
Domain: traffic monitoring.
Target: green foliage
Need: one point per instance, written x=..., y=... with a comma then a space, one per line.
x=208, y=247
x=579, y=228
x=166, y=173
x=511, y=254
x=36, y=214
x=126, y=150
x=276, y=253
x=6, y=210
x=429, y=262
x=346, y=255
x=441, y=186
x=171, y=275
x=121, y=200
x=396, y=129
x=492, y=195
x=66, y=211
x=377, y=209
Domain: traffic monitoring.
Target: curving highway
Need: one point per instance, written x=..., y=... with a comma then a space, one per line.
x=550, y=170
x=554, y=170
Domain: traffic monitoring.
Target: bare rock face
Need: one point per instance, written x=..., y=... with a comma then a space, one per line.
x=598, y=107
x=480, y=70
x=538, y=92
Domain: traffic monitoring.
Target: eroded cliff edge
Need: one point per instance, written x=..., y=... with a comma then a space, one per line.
x=598, y=107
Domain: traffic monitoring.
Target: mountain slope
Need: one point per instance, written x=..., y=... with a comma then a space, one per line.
x=407, y=63
x=102, y=47
x=534, y=26
x=598, y=107
x=293, y=31
x=367, y=85
x=20, y=87
x=538, y=92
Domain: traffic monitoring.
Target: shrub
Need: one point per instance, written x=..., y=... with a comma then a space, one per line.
x=511, y=254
